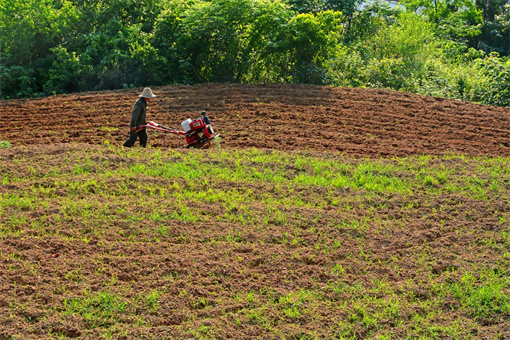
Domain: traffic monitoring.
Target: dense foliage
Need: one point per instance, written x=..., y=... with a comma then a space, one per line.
x=449, y=48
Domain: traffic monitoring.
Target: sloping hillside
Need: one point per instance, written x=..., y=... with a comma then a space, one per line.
x=353, y=121
x=250, y=241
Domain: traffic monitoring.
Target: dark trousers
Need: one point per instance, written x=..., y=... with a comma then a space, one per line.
x=133, y=135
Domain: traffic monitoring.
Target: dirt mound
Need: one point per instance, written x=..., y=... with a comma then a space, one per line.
x=353, y=121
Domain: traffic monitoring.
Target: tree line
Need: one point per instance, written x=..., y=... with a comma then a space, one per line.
x=448, y=48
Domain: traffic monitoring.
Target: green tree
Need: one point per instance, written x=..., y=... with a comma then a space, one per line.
x=310, y=41
x=28, y=31
x=458, y=20
x=497, y=71
x=174, y=65
x=394, y=57
x=111, y=47
x=496, y=29
x=213, y=38
x=348, y=7
x=266, y=57
x=366, y=22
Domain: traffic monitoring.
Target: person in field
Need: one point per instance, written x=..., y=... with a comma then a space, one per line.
x=138, y=119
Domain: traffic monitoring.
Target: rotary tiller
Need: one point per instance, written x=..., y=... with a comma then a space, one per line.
x=198, y=132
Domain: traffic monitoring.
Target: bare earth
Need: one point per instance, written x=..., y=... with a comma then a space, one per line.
x=205, y=272
x=357, y=122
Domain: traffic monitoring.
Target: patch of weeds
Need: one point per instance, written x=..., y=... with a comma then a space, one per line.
x=217, y=142
x=5, y=144
x=185, y=214
x=258, y=316
x=340, y=225
x=101, y=309
x=108, y=128
x=485, y=296
x=164, y=230
x=182, y=238
x=338, y=270
x=275, y=216
x=234, y=237
x=201, y=303
x=81, y=169
x=430, y=181
x=151, y=299
x=293, y=304
x=203, y=331
x=75, y=275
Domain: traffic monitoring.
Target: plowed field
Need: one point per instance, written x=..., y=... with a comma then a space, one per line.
x=357, y=122
x=326, y=213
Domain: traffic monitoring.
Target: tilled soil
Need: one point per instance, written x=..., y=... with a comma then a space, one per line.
x=357, y=122
x=91, y=249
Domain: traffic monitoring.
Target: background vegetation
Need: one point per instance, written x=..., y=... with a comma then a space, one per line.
x=449, y=48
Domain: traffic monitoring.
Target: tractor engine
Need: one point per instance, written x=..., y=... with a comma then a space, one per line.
x=198, y=130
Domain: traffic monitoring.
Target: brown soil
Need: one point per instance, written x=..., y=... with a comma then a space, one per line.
x=86, y=237
x=358, y=122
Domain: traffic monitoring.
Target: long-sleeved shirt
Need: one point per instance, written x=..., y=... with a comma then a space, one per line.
x=138, y=117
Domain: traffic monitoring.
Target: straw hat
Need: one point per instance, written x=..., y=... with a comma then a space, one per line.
x=147, y=93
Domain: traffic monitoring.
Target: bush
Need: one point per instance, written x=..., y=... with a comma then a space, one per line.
x=18, y=81
x=310, y=41
x=477, y=78
x=497, y=71
x=395, y=56
x=54, y=46
x=346, y=67
x=65, y=73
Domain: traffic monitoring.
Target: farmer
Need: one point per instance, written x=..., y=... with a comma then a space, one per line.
x=138, y=119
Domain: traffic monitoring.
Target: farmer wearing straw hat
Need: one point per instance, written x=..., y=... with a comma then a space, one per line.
x=138, y=119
